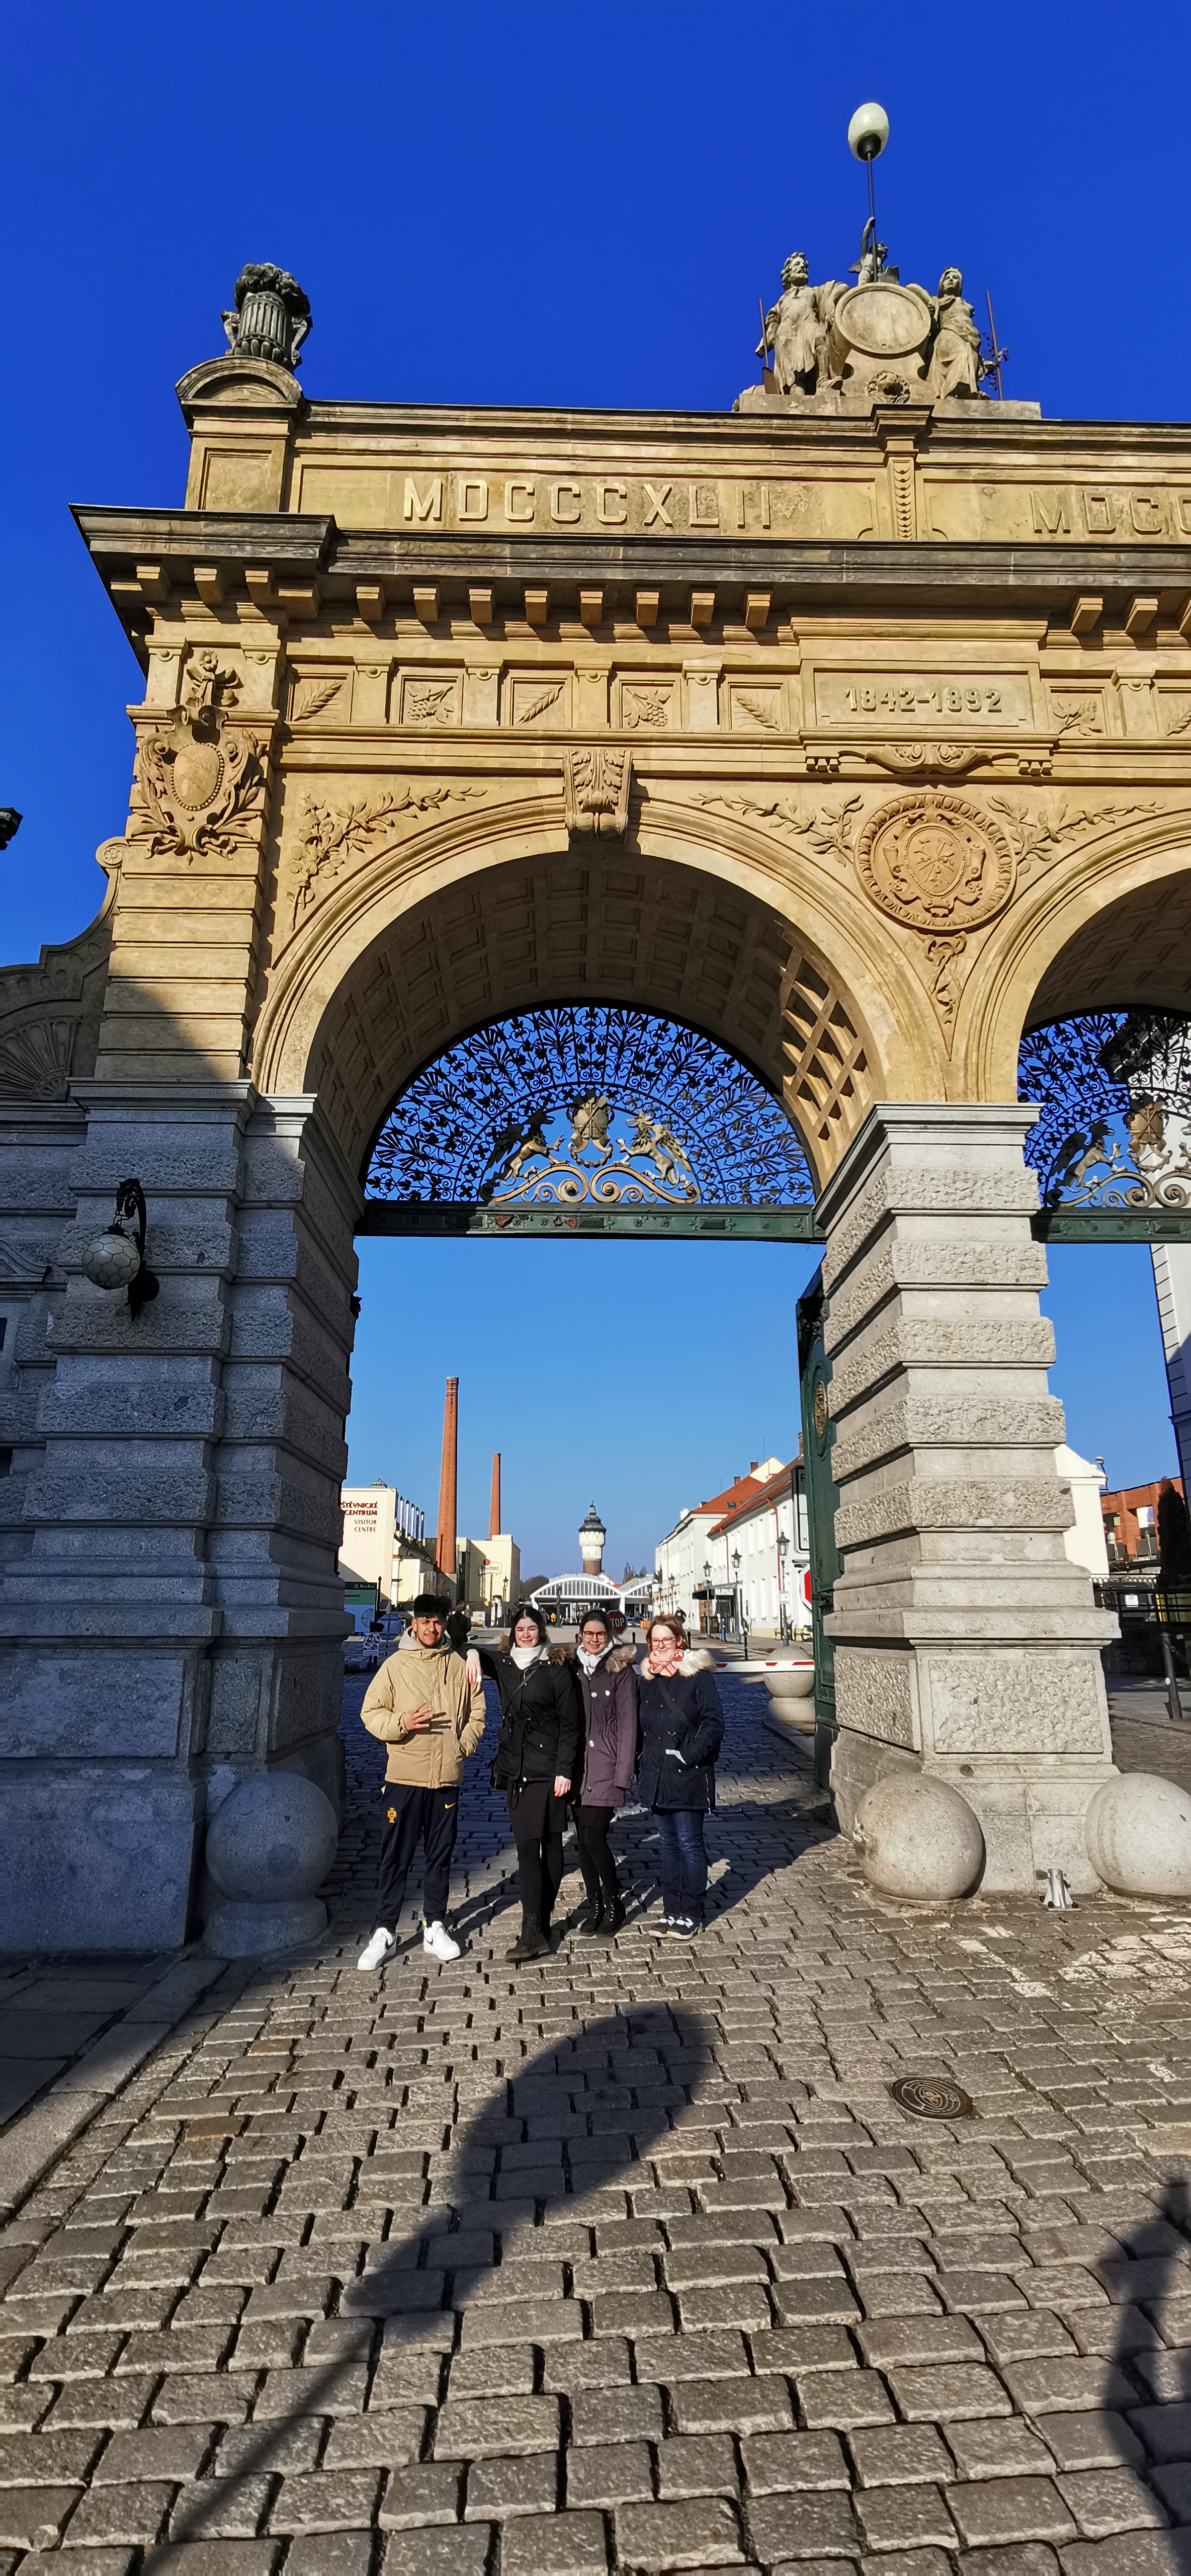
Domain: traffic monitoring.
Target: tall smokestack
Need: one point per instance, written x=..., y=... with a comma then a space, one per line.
x=448, y=1482
x=494, y=1514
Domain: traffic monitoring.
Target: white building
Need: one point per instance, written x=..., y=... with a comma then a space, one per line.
x=684, y=1565
x=384, y=1549
x=488, y=1573
x=759, y=1553
x=1085, y=1543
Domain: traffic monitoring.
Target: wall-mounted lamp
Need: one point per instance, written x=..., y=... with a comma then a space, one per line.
x=116, y=1258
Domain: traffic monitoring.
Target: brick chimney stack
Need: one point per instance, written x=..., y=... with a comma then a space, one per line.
x=494, y=1514
x=448, y=1482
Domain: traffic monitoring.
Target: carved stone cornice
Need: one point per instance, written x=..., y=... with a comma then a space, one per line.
x=877, y=574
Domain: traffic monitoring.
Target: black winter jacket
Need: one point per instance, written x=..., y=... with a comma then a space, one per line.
x=682, y=1729
x=541, y=1720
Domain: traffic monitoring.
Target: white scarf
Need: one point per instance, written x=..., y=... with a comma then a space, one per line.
x=591, y=1663
x=524, y=1656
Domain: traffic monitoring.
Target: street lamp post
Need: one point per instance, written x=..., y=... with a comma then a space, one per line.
x=783, y=1544
x=736, y=1586
x=707, y=1594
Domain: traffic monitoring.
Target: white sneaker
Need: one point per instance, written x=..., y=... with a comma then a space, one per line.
x=437, y=1939
x=381, y=1947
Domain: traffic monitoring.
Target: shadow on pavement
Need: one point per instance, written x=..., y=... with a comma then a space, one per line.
x=571, y=2121
x=1151, y=2432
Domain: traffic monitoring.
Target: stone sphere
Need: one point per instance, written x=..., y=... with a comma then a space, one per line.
x=918, y=1838
x=112, y=1261
x=1138, y=1834
x=791, y=1681
x=273, y=1838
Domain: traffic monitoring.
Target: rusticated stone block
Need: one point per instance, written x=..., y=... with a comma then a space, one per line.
x=901, y=1418
x=876, y=1694
x=134, y=1705
x=880, y=1511
x=99, y=1856
x=975, y=1341
x=974, y=1259
x=1041, y=1702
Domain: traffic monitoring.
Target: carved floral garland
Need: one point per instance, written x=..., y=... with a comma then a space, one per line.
x=328, y=840
x=989, y=856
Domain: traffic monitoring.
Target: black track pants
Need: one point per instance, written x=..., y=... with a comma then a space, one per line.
x=413, y=1816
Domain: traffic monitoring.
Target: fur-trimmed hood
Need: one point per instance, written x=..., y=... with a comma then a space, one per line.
x=617, y=1659
x=550, y=1654
x=697, y=1659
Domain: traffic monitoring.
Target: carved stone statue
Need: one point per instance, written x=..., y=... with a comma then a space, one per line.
x=956, y=363
x=840, y=347
x=272, y=315
x=872, y=262
x=207, y=688
x=796, y=328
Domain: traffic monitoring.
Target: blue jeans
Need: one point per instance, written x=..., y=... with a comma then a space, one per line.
x=683, y=1861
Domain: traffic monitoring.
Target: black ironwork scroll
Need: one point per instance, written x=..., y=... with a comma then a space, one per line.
x=1114, y=1090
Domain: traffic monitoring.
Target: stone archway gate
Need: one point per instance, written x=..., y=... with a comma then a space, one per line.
x=835, y=736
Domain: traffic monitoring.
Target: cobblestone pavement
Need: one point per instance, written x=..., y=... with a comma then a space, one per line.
x=628, y=2258
x=1144, y=1735
x=50, y=2013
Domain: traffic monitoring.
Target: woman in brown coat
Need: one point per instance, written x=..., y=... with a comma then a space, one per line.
x=608, y=1684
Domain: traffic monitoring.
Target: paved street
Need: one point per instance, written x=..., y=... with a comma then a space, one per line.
x=628, y=2258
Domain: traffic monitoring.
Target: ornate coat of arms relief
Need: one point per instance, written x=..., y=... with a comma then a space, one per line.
x=199, y=780
x=935, y=863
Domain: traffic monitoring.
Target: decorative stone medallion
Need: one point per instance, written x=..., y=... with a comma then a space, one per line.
x=933, y=861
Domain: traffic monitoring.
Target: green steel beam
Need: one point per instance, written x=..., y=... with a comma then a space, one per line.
x=727, y=1224
x=1112, y=1225
x=714, y=1224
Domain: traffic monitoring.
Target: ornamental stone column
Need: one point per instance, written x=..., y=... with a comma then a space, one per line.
x=966, y=1643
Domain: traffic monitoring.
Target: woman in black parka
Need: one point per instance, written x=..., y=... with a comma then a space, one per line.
x=537, y=1756
x=682, y=1729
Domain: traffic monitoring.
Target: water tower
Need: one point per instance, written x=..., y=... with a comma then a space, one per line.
x=592, y=1535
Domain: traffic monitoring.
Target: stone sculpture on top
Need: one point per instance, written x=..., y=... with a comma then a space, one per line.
x=842, y=347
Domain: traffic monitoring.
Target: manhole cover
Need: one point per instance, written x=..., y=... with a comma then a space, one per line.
x=929, y=2098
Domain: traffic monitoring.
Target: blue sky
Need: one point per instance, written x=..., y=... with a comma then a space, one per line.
x=542, y=205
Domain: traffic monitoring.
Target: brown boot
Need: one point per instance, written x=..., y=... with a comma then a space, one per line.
x=531, y=1942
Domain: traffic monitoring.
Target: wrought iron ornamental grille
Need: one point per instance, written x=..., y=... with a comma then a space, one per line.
x=589, y=1103
x=1115, y=1093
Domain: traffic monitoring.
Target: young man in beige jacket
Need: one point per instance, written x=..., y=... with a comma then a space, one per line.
x=431, y=1717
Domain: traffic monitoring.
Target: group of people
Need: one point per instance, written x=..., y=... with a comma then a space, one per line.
x=577, y=1728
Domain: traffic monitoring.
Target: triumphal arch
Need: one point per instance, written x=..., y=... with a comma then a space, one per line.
x=847, y=730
